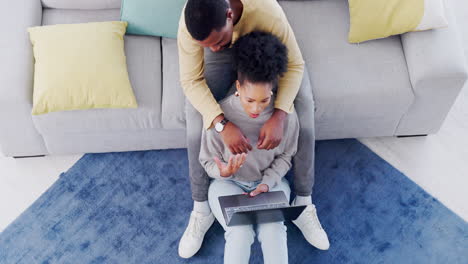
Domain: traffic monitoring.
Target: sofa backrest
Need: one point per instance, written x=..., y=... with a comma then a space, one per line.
x=81, y=4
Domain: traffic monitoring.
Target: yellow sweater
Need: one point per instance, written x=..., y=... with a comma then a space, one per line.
x=262, y=15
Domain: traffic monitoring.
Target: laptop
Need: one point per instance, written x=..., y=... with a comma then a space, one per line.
x=266, y=207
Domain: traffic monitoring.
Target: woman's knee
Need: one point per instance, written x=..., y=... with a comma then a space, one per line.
x=243, y=233
x=283, y=185
x=268, y=231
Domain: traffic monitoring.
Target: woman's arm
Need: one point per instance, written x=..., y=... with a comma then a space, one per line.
x=211, y=146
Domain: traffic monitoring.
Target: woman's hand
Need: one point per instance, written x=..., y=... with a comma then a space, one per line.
x=233, y=165
x=271, y=133
x=260, y=189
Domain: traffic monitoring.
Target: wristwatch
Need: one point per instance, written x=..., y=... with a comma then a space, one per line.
x=219, y=127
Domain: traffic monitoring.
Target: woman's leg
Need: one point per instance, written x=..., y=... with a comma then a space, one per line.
x=239, y=239
x=272, y=236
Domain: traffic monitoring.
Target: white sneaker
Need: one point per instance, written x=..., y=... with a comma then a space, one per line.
x=311, y=228
x=192, y=238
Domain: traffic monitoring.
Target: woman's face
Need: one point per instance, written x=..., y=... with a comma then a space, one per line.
x=254, y=97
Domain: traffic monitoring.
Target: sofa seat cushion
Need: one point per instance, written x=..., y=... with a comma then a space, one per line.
x=173, y=99
x=144, y=68
x=349, y=81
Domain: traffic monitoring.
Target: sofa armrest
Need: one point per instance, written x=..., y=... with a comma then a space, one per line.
x=437, y=71
x=17, y=63
x=17, y=133
x=434, y=54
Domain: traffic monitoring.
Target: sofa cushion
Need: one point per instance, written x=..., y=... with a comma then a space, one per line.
x=144, y=68
x=173, y=99
x=152, y=17
x=373, y=19
x=81, y=4
x=70, y=16
x=350, y=82
x=80, y=67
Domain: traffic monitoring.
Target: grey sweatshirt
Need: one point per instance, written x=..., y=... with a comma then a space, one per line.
x=269, y=166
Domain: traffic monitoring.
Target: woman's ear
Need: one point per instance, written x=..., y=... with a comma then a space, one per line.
x=237, y=88
x=238, y=85
x=229, y=14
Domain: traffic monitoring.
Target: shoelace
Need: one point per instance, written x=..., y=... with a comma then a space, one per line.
x=315, y=223
x=195, y=226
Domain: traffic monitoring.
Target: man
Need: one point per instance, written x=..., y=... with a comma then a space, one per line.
x=207, y=30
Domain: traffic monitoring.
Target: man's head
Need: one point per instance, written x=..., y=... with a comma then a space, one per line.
x=260, y=60
x=210, y=22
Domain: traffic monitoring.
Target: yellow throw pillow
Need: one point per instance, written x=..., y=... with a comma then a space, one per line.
x=80, y=66
x=374, y=19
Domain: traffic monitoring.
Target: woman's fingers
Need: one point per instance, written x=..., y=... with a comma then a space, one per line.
x=255, y=192
x=260, y=189
x=235, y=161
x=218, y=162
x=230, y=163
x=239, y=160
x=244, y=156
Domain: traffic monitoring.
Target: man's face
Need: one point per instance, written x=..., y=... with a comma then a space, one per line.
x=219, y=40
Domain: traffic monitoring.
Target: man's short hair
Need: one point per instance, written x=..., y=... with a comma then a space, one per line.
x=204, y=16
x=260, y=57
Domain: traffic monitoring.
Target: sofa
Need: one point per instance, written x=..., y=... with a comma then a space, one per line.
x=398, y=86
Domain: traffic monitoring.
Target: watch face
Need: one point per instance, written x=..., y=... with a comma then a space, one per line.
x=219, y=127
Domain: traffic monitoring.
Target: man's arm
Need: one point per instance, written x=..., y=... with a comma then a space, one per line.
x=271, y=134
x=191, y=63
x=289, y=84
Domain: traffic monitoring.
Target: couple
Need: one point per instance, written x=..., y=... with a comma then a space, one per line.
x=245, y=143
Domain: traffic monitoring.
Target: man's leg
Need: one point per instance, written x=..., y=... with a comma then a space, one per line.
x=219, y=75
x=304, y=160
x=199, y=180
x=304, y=173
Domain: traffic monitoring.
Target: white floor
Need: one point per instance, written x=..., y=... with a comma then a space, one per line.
x=438, y=163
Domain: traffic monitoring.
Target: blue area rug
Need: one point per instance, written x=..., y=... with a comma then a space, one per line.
x=132, y=207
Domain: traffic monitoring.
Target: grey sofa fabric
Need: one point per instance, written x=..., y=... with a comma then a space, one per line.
x=437, y=71
x=144, y=66
x=81, y=4
x=71, y=16
x=83, y=127
x=112, y=141
x=393, y=86
x=360, y=90
x=173, y=111
x=17, y=133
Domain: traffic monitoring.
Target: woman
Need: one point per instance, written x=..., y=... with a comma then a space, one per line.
x=260, y=59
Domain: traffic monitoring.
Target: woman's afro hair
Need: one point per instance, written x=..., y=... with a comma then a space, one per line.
x=260, y=57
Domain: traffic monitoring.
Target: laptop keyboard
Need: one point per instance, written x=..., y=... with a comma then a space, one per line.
x=231, y=210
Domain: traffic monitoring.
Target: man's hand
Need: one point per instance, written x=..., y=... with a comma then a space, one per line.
x=233, y=165
x=260, y=189
x=271, y=133
x=235, y=139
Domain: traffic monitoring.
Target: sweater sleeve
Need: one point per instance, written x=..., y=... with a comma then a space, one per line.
x=289, y=84
x=282, y=162
x=192, y=80
x=211, y=146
